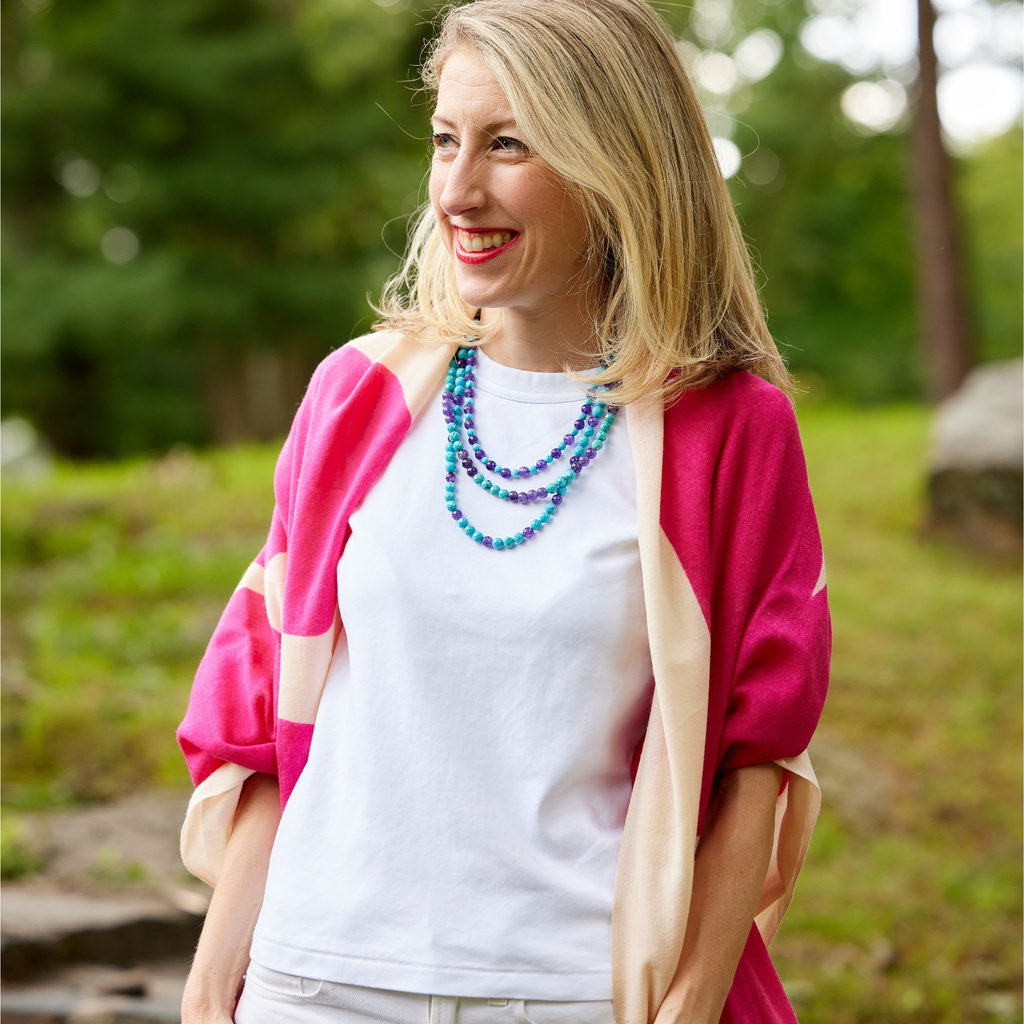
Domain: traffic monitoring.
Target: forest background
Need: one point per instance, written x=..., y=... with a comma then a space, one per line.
x=199, y=195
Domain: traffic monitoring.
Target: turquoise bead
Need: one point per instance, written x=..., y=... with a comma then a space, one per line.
x=549, y=460
x=459, y=390
x=550, y=508
x=498, y=544
x=544, y=518
x=537, y=524
x=598, y=445
x=478, y=480
x=510, y=542
x=463, y=522
x=470, y=530
x=520, y=539
x=589, y=432
x=478, y=537
x=451, y=506
x=503, y=494
x=561, y=445
x=561, y=491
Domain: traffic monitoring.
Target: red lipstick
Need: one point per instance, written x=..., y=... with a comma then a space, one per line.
x=470, y=257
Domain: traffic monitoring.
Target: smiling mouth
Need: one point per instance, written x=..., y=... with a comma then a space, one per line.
x=477, y=246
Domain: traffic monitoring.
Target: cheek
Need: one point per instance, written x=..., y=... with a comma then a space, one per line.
x=435, y=187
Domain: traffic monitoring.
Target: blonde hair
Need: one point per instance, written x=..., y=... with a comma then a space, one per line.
x=680, y=306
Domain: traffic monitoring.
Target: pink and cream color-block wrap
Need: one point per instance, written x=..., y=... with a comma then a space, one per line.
x=734, y=583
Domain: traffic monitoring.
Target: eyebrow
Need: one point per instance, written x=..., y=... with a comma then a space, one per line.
x=490, y=129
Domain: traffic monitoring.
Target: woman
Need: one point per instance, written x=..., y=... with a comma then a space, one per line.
x=525, y=718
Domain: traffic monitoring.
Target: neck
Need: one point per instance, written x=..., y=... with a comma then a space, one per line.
x=549, y=339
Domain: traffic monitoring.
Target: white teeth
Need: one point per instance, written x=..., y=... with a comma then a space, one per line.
x=478, y=243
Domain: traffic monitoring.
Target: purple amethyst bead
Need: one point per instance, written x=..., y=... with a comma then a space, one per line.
x=471, y=470
x=527, y=532
x=541, y=463
x=590, y=453
x=469, y=422
x=457, y=515
x=613, y=409
x=586, y=409
x=457, y=400
x=578, y=424
x=531, y=495
x=542, y=492
x=556, y=499
x=471, y=360
x=480, y=454
x=490, y=464
x=473, y=439
x=466, y=463
x=524, y=471
x=450, y=478
x=506, y=474
x=592, y=421
x=470, y=393
x=575, y=464
x=556, y=453
x=513, y=496
x=487, y=541
x=569, y=438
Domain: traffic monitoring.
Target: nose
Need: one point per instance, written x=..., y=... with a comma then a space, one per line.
x=464, y=188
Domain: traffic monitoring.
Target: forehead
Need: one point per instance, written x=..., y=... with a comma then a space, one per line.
x=467, y=91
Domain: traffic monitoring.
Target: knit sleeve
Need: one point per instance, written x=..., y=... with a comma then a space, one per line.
x=778, y=629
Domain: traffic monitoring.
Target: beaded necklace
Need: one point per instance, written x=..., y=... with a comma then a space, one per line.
x=594, y=422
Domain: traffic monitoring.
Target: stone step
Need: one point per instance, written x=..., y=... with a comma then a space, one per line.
x=42, y=928
x=95, y=994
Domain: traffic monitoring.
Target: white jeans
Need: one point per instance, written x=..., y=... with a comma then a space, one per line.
x=270, y=997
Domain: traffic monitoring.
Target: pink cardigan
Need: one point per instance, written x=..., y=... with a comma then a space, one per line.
x=734, y=583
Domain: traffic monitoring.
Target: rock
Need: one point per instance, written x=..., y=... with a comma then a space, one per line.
x=976, y=481
x=44, y=928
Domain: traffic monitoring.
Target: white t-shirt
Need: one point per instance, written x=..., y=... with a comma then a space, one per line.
x=457, y=826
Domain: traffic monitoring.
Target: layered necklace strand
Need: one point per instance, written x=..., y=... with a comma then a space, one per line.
x=586, y=439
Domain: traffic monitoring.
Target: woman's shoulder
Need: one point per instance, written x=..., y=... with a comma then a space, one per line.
x=738, y=401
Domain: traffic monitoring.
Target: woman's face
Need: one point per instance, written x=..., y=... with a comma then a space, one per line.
x=516, y=237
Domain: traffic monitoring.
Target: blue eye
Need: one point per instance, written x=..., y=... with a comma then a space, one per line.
x=504, y=142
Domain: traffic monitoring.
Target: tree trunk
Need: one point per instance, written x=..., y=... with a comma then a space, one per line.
x=944, y=318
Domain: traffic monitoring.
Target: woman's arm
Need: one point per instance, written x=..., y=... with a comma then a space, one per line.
x=729, y=872
x=223, y=952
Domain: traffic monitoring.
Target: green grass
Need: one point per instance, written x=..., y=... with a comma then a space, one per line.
x=909, y=909
x=113, y=579
x=909, y=906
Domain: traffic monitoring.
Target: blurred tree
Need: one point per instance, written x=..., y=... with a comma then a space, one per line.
x=945, y=331
x=194, y=194
x=193, y=198
x=826, y=206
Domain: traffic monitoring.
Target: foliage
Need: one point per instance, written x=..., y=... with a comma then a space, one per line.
x=113, y=579
x=909, y=905
x=276, y=145
x=255, y=148
x=17, y=858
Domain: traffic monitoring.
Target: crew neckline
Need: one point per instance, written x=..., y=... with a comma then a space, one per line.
x=526, y=385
